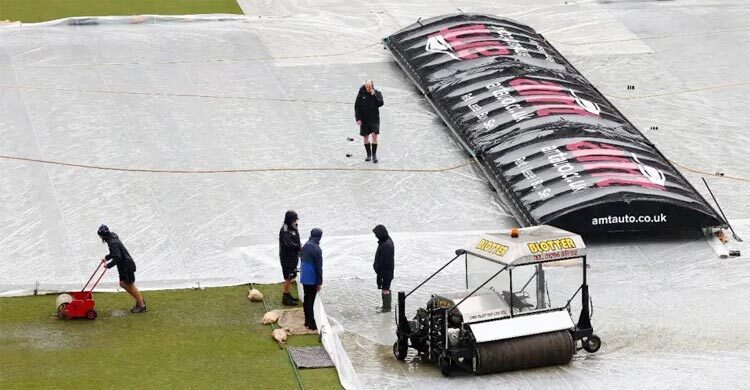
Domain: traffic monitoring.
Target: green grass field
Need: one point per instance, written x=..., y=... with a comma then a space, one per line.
x=42, y=10
x=197, y=339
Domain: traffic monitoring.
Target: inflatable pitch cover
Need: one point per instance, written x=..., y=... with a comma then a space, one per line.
x=552, y=144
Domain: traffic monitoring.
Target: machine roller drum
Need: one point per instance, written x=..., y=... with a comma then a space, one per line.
x=525, y=352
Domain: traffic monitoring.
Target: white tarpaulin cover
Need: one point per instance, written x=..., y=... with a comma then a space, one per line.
x=276, y=91
x=185, y=94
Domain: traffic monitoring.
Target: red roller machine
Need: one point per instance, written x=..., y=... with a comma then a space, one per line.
x=80, y=304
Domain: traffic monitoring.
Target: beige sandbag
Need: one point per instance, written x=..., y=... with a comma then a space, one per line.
x=139, y=19
x=280, y=336
x=254, y=295
x=271, y=317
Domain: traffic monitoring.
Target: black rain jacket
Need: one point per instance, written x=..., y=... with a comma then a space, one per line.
x=289, y=242
x=118, y=254
x=366, y=107
x=384, y=255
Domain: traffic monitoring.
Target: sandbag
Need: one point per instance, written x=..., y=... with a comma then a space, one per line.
x=271, y=317
x=280, y=336
x=254, y=295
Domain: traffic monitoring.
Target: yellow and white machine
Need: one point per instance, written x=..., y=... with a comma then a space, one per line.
x=514, y=311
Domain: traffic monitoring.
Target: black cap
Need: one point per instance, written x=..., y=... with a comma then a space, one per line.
x=103, y=231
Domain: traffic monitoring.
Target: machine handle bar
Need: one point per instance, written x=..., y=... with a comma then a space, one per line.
x=458, y=254
x=574, y=295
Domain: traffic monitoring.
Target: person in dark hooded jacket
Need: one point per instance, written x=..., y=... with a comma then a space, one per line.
x=119, y=257
x=383, y=265
x=289, y=248
x=367, y=114
x=312, y=275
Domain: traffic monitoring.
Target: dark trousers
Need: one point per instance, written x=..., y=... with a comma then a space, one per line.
x=311, y=291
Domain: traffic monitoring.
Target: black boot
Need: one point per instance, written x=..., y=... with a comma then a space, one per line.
x=369, y=152
x=386, y=303
x=288, y=300
x=375, y=153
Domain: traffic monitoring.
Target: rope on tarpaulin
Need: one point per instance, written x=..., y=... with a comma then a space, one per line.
x=319, y=169
x=715, y=174
x=169, y=94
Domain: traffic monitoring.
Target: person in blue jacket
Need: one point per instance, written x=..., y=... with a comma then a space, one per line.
x=312, y=275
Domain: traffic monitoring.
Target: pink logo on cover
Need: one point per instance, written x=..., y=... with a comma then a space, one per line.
x=466, y=42
x=619, y=166
x=551, y=98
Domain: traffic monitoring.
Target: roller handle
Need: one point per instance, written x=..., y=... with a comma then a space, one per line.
x=101, y=265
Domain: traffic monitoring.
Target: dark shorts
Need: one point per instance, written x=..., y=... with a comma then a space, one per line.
x=369, y=128
x=127, y=275
x=289, y=270
x=384, y=282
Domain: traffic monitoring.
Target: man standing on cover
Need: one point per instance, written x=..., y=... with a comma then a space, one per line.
x=383, y=266
x=367, y=113
x=289, y=248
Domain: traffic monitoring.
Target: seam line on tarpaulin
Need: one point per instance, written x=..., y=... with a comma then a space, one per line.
x=247, y=170
x=651, y=37
x=269, y=58
x=415, y=100
x=682, y=91
x=167, y=94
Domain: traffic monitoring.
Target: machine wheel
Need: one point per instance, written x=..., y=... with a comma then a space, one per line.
x=445, y=365
x=91, y=314
x=61, y=311
x=398, y=352
x=592, y=344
